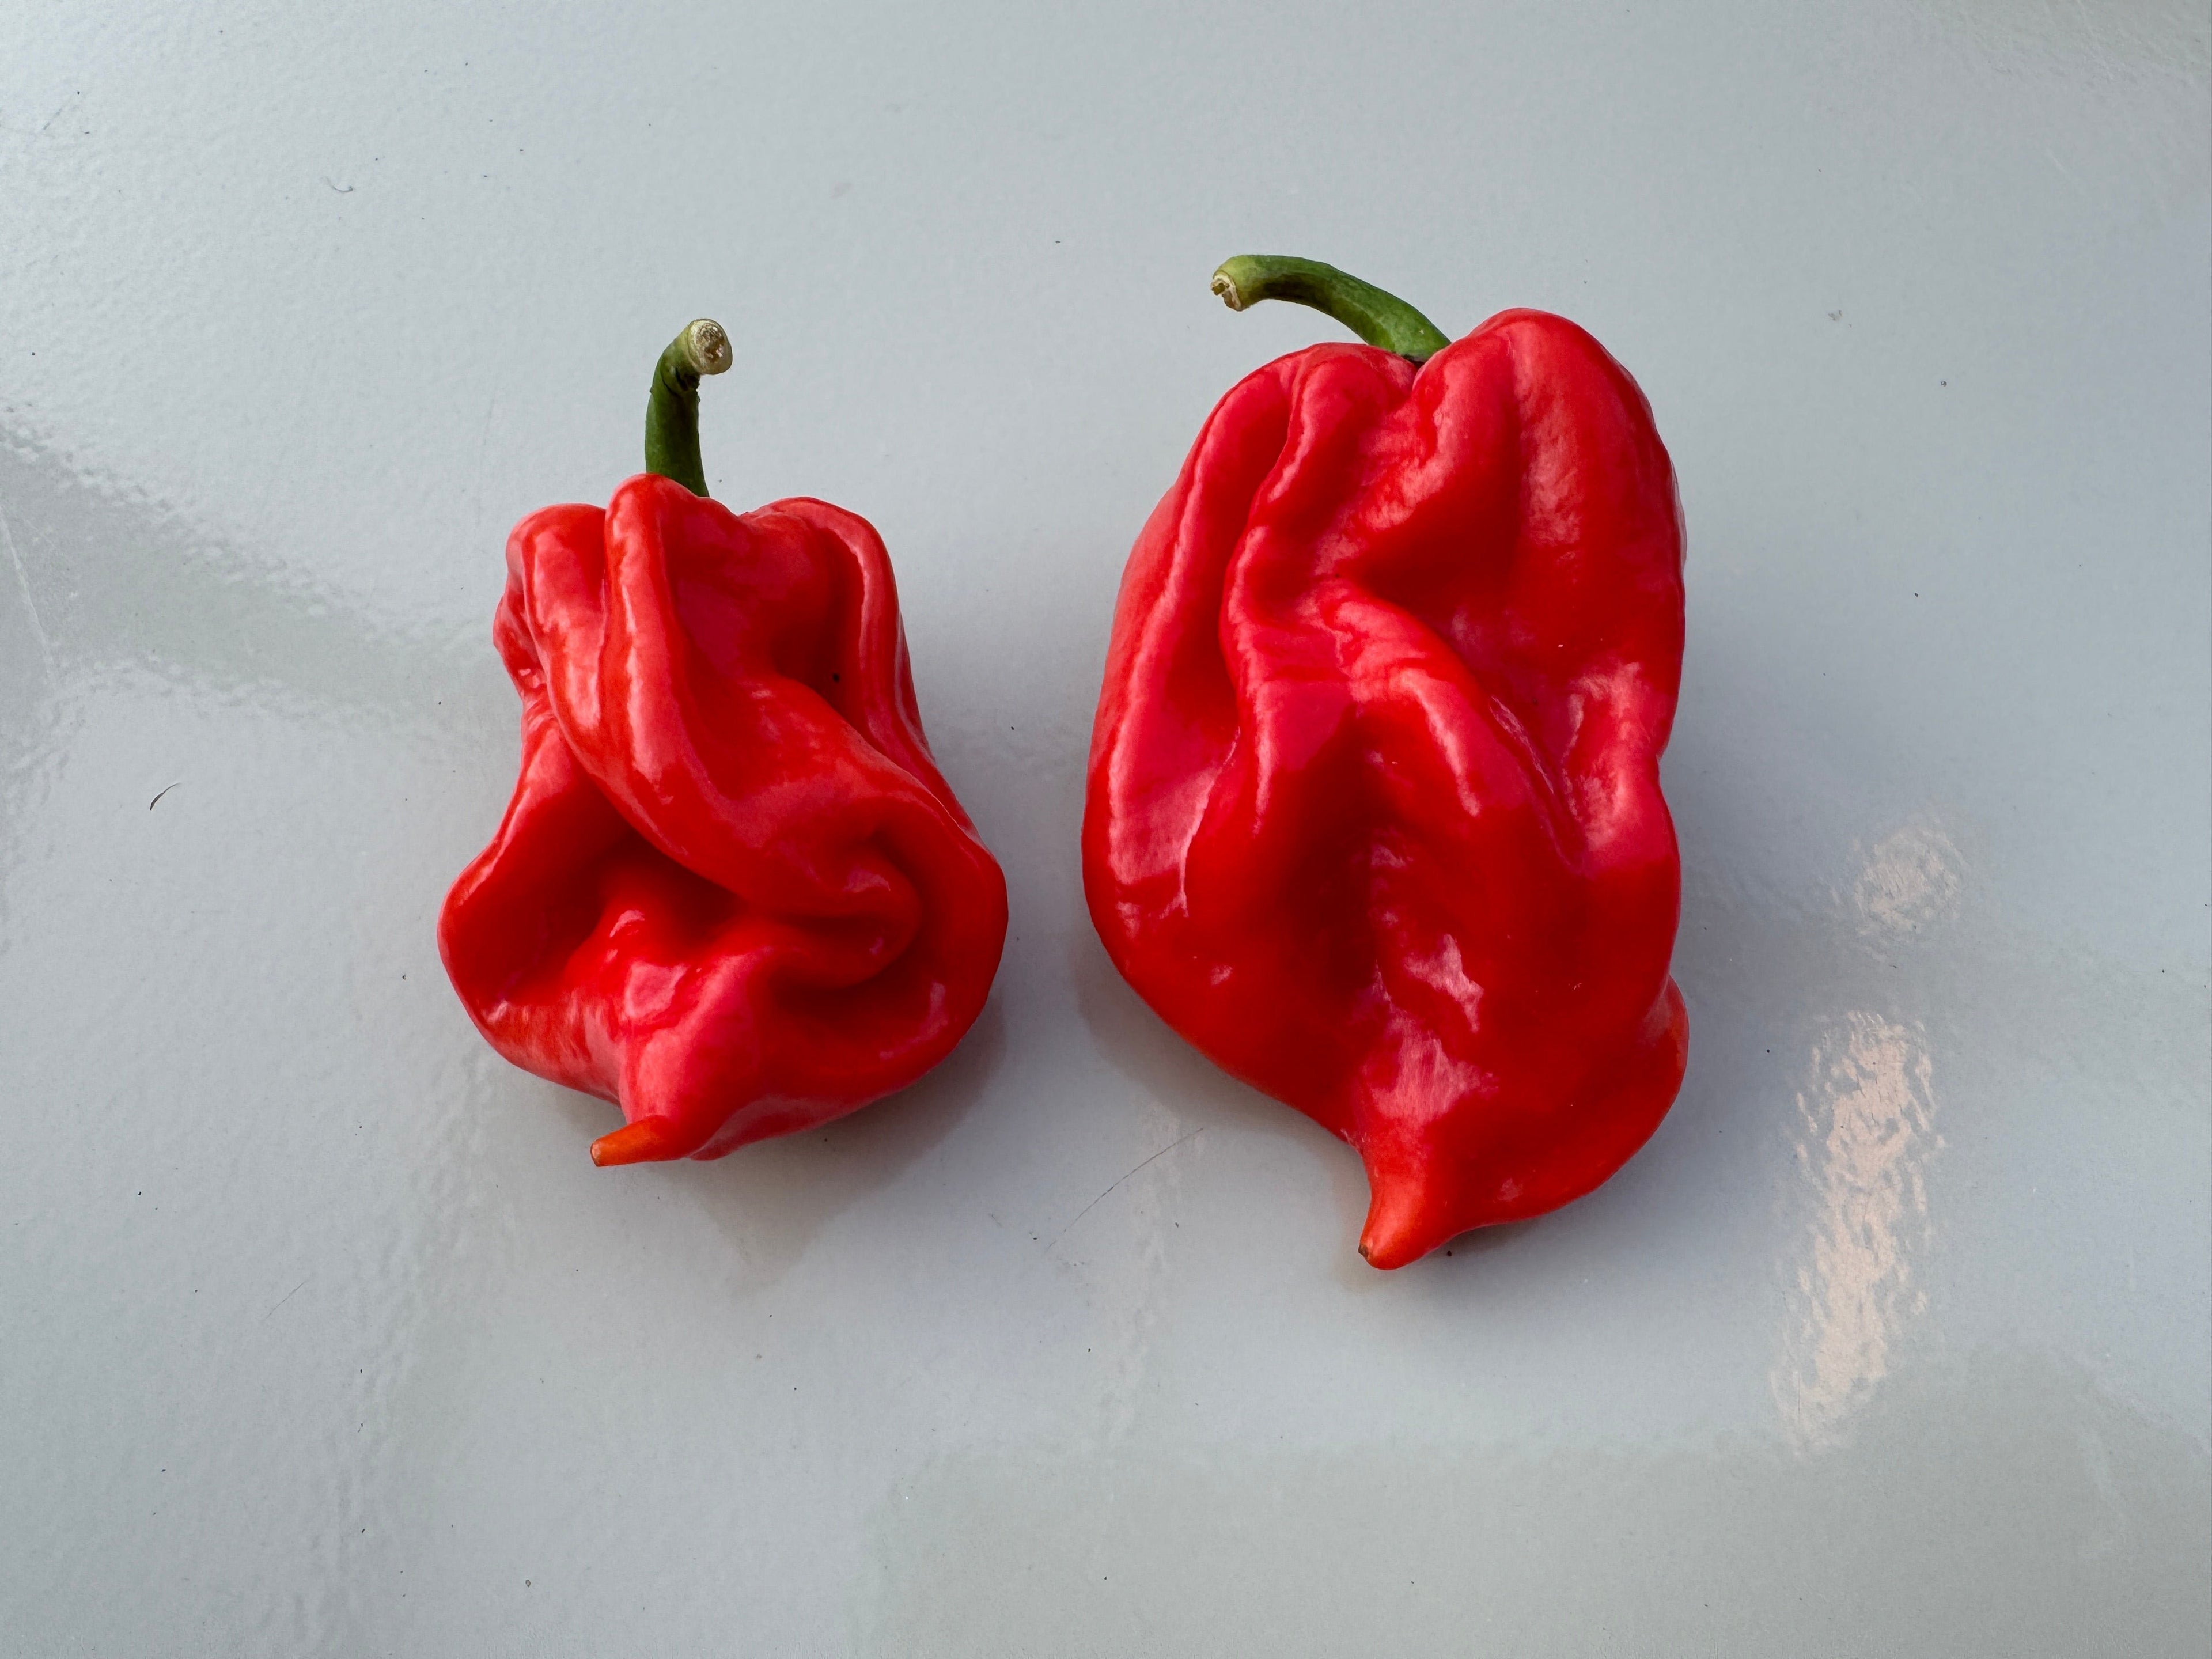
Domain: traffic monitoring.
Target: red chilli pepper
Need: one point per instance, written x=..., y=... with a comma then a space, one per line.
x=1374, y=816
x=733, y=892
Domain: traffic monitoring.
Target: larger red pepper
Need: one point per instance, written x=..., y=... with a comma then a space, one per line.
x=1374, y=816
x=733, y=892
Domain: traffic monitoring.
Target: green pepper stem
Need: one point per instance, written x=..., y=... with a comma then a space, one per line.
x=1381, y=320
x=672, y=408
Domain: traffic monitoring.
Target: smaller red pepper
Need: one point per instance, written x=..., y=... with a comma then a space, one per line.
x=1374, y=816
x=733, y=892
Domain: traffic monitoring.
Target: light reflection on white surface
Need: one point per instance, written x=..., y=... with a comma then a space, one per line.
x=1869, y=1124
x=1869, y=1116
x=1910, y=879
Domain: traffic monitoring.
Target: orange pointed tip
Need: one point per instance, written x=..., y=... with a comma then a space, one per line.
x=1400, y=1227
x=649, y=1141
x=1390, y=1251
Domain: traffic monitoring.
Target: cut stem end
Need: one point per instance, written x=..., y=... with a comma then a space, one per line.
x=706, y=346
x=672, y=408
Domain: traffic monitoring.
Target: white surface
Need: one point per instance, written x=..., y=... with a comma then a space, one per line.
x=322, y=1334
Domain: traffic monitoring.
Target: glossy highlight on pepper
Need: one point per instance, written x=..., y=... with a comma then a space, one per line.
x=1373, y=816
x=732, y=892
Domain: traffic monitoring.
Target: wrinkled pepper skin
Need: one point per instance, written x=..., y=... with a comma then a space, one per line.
x=1374, y=818
x=733, y=892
